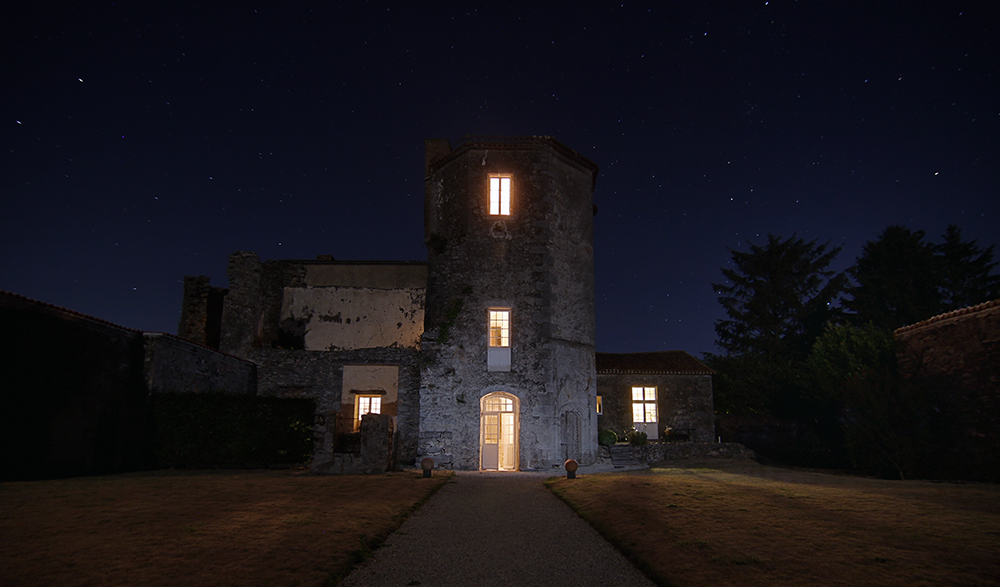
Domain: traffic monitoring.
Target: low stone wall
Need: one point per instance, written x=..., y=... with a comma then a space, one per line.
x=378, y=439
x=173, y=364
x=668, y=451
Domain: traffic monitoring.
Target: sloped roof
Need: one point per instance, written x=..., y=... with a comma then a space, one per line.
x=672, y=362
x=949, y=315
x=19, y=302
x=503, y=142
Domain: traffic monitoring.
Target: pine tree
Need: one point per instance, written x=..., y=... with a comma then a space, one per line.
x=778, y=298
x=965, y=271
x=896, y=282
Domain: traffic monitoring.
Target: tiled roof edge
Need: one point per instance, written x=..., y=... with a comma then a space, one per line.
x=150, y=334
x=948, y=315
x=504, y=142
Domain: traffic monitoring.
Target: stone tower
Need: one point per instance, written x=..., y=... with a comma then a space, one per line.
x=508, y=376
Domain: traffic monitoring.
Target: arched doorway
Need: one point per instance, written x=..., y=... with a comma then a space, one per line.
x=499, y=427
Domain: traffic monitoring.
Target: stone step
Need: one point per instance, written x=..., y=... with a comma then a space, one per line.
x=622, y=456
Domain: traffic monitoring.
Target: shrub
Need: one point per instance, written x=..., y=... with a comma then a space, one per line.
x=607, y=437
x=637, y=438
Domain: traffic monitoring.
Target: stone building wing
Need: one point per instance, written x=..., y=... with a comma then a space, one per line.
x=952, y=362
x=666, y=394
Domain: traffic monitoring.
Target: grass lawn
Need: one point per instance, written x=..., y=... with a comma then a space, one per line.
x=740, y=523
x=199, y=528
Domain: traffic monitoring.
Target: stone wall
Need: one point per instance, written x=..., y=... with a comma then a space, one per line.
x=376, y=455
x=655, y=452
x=172, y=364
x=201, y=311
x=538, y=263
x=684, y=402
x=954, y=361
x=320, y=375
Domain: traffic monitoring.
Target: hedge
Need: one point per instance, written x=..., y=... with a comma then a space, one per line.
x=201, y=430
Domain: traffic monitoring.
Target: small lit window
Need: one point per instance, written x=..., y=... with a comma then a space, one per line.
x=500, y=196
x=499, y=328
x=367, y=404
x=643, y=405
x=600, y=406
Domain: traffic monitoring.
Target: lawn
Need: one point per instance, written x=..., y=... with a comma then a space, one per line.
x=739, y=523
x=199, y=528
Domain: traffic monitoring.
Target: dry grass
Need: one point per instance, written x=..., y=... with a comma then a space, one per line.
x=198, y=528
x=740, y=523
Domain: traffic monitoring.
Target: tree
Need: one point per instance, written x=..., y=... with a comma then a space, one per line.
x=965, y=271
x=844, y=352
x=778, y=297
x=896, y=282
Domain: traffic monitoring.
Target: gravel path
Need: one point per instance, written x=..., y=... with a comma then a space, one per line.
x=485, y=529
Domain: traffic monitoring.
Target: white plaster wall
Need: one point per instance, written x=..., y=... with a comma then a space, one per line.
x=344, y=318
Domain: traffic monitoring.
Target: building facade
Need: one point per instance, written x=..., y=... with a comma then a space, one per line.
x=483, y=356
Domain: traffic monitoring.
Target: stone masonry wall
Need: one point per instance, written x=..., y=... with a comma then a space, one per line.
x=172, y=364
x=242, y=312
x=538, y=263
x=201, y=311
x=954, y=360
x=683, y=402
x=655, y=452
x=319, y=375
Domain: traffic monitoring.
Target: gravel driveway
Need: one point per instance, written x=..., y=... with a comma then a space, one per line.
x=485, y=529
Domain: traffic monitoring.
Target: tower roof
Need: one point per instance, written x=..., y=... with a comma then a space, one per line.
x=477, y=142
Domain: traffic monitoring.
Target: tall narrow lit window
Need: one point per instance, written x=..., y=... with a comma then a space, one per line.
x=367, y=404
x=600, y=406
x=644, y=405
x=498, y=353
x=499, y=328
x=499, y=196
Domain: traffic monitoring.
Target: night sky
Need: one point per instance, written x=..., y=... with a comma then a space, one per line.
x=143, y=144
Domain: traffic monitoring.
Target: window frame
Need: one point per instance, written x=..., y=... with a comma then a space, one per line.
x=503, y=206
x=646, y=402
x=503, y=325
x=357, y=407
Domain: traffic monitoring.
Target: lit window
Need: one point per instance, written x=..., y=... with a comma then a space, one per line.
x=367, y=404
x=499, y=328
x=500, y=196
x=499, y=404
x=600, y=406
x=498, y=353
x=643, y=405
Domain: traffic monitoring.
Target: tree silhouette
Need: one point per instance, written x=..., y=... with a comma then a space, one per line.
x=965, y=271
x=778, y=297
x=895, y=280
